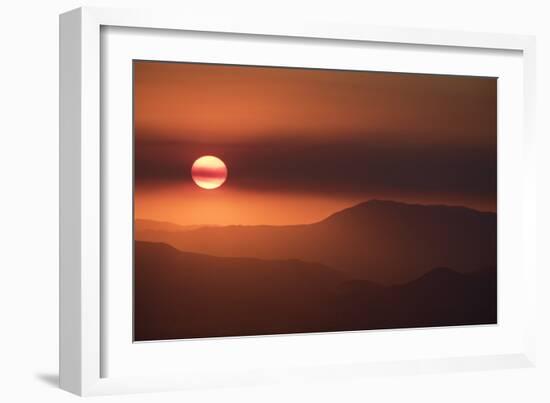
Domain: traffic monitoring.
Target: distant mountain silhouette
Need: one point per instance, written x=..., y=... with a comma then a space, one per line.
x=189, y=295
x=141, y=225
x=382, y=241
x=180, y=294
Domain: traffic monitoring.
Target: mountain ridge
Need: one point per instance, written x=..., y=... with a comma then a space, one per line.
x=383, y=241
x=157, y=223
x=187, y=295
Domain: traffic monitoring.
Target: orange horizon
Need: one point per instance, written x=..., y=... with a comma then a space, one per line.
x=318, y=213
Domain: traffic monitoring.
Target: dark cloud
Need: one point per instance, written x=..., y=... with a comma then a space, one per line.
x=349, y=166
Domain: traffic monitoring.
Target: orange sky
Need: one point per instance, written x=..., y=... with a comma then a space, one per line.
x=300, y=144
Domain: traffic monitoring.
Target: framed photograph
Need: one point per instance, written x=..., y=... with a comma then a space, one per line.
x=249, y=202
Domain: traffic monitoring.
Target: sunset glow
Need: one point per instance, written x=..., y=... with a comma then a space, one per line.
x=304, y=143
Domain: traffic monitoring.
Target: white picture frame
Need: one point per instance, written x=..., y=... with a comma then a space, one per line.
x=86, y=346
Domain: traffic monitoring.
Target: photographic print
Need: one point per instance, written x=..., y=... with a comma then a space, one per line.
x=277, y=200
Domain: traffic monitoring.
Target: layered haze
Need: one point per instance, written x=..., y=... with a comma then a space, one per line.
x=382, y=241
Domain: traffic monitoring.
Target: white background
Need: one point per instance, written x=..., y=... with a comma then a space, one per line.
x=29, y=201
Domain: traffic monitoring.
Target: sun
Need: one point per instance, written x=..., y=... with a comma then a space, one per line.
x=209, y=172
